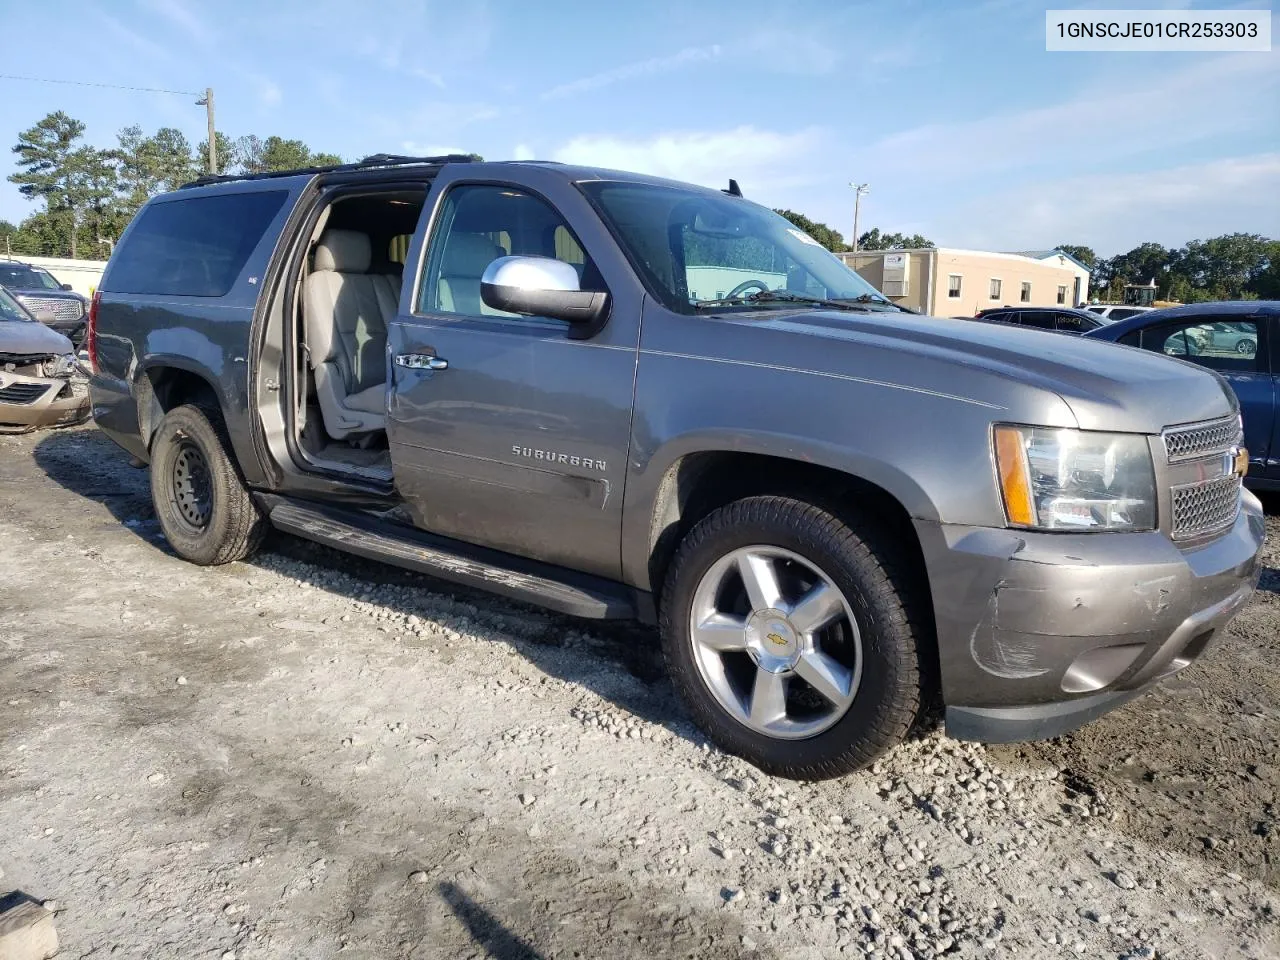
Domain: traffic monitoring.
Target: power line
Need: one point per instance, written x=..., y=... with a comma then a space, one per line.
x=108, y=86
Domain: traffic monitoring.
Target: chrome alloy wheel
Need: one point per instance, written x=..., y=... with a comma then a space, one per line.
x=775, y=642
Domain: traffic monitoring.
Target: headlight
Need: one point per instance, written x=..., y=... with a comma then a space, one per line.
x=59, y=366
x=1058, y=479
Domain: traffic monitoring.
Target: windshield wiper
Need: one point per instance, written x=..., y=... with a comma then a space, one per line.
x=781, y=296
x=877, y=298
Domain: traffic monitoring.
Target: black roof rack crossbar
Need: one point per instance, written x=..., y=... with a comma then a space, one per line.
x=370, y=162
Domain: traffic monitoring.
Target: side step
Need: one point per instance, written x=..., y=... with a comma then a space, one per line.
x=565, y=591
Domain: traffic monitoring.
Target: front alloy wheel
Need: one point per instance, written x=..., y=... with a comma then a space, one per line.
x=795, y=635
x=775, y=642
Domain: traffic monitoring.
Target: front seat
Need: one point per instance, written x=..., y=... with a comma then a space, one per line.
x=346, y=310
x=462, y=265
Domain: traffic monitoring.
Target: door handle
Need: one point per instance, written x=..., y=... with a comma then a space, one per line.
x=421, y=361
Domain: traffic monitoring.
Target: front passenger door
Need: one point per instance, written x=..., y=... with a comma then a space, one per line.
x=504, y=431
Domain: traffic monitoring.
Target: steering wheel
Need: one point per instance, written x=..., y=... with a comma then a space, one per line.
x=744, y=286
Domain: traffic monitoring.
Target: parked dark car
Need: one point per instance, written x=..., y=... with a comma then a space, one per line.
x=39, y=290
x=1238, y=339
x=1059, y=319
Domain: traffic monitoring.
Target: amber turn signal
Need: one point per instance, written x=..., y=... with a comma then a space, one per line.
x=1015, y=483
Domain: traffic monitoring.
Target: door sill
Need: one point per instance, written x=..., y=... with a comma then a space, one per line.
x=555, y=588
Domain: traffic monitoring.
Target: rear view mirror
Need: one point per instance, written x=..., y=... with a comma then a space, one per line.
x=66, y=286
x=544, y=287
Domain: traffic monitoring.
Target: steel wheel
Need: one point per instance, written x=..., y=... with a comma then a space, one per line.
x=192, y=485
x=775, y=642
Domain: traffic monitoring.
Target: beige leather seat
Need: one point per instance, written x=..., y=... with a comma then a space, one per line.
x=346, y=310
x=461, y=267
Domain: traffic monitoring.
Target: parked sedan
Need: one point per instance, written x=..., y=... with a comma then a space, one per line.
x=1060, y=319
x=1241, y=341
x=41, y=382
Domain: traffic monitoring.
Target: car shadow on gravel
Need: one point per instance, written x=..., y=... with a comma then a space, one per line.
x=87, y=463
x=596, y=654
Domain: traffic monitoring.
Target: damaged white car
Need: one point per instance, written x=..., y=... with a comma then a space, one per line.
x=42, y=384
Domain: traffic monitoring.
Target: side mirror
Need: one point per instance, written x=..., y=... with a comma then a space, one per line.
x=544, y=287
x=66, y=286
x=45, y=316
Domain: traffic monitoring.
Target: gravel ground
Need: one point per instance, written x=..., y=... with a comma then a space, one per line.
x=308, y=754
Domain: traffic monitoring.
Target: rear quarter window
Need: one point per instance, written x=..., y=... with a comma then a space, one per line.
x=195, y=247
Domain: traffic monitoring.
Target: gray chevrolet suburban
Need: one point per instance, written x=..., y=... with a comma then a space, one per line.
x=623, y=397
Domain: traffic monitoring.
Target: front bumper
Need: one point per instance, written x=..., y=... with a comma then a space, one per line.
x=30, y=402
x=1039, y=633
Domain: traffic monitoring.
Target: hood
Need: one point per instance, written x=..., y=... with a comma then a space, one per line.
x=42, y=293
x=32, y=338
x=1106, y=386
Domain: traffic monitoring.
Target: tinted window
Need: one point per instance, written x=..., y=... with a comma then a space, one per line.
x=479, y=224
x=1122, y=314
x=193, y=248
x=1229, y=346
x=1074, y=323
x=1133, y=339
x=1041, y=320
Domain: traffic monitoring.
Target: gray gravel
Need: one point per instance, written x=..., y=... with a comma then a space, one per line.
x=361, y=760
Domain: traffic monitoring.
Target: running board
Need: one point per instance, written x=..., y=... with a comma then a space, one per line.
x=565, y=591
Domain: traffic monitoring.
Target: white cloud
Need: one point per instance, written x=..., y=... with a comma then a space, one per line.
x=522, y=152
x=1115, y=212
x=1089, y=131
x=748, y=154
x=630, y=71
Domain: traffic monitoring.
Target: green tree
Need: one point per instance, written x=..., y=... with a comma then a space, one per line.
x=150, y=165
x=226, y=154
x=256, y=155
x=72, y=179
x=873, y=239
x=1084, y=254
x=824, y=234
x=1228, y=267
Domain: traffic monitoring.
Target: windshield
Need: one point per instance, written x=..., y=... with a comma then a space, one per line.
x=691, y=247
x=10, y=309
x=22, y=277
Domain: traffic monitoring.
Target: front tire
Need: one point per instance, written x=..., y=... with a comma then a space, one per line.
x=203, y=507
x=793, y=637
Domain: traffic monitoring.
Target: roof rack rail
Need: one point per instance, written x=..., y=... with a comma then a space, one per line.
x=368, y=163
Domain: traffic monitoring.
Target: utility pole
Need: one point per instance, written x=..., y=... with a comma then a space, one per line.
x=858, y=190
x=207, y=103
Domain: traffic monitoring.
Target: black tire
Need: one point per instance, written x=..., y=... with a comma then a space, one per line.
x=886, y=599
x=1246, y=348
x=204, y=509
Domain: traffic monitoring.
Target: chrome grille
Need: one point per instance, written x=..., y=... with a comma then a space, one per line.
x=64, y=308
x=22, y=392
x=1201, y=509
x=1199, y=439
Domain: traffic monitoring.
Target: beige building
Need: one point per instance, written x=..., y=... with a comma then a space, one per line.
x=944, y=282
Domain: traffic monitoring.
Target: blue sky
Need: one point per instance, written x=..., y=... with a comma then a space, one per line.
x=966, y=129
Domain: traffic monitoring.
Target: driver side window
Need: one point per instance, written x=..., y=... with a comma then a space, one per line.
x=478, y=223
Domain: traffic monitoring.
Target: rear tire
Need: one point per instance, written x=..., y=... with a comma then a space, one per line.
x=862, y=647
x=206, y=513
